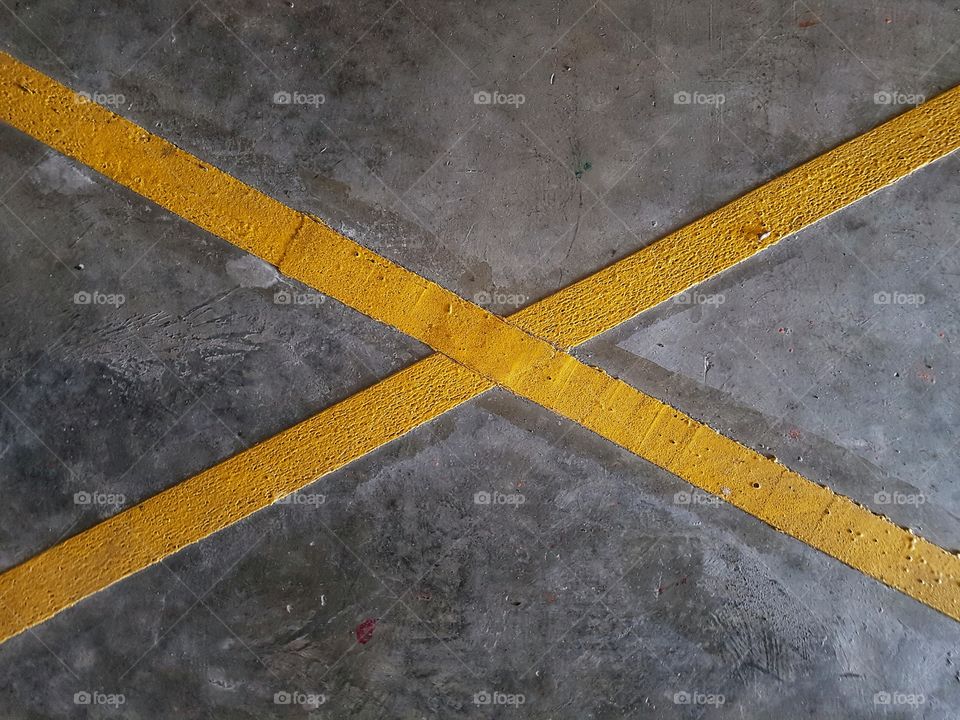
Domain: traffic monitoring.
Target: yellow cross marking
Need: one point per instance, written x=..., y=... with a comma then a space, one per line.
x=525, y=353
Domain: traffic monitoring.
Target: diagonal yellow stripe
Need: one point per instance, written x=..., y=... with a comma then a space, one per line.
x=502, y=352
x=146, y=533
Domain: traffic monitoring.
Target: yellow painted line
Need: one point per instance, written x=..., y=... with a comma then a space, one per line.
x=144, y=534
x=500, y=351
x=755, y=221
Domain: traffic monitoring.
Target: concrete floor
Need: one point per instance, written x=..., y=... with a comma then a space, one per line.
x=600, y=596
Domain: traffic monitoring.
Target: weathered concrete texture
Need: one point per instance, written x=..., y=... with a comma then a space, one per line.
x=486, y=197
x=604, y=593
x=843, y=335
x=598, y=596
x=139, y=350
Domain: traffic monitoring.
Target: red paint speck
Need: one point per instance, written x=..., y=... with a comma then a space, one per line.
x=365, y=629
x=681, y=581
x=808, y=23
x=793, y=434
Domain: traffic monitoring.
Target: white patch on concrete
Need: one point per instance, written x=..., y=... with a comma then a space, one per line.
x=251, y=271
x=62, y=175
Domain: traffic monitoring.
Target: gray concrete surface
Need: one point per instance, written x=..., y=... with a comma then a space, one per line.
x=601, y=595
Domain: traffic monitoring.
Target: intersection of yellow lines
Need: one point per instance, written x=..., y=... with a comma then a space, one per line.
x=526, y=353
